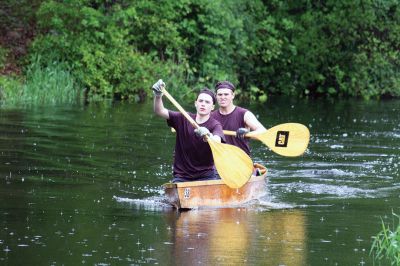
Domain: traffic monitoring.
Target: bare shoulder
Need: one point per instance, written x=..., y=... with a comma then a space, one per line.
x=252, y=122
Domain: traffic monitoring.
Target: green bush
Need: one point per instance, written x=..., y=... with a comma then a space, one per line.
x=94, y=42
x=339, y=48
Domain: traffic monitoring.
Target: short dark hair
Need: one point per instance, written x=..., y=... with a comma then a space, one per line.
x=224, y=85
x=209, y=92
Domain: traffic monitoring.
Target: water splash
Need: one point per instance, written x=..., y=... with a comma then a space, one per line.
x=336, y=191
x=151, y=203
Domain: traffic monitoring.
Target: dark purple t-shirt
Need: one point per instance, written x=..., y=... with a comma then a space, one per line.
x=233, y=121
x=193, y=157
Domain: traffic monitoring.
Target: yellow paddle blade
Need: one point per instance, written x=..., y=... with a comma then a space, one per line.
x=289, y=139
x=234, y=166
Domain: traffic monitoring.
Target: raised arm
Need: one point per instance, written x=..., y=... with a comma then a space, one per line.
x=252, y=122
x=158, y=105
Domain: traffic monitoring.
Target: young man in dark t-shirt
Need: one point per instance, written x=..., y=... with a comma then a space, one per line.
x=233, y=117
x=193, y=159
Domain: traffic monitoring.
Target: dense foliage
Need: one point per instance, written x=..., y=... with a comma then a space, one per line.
x=118, y=48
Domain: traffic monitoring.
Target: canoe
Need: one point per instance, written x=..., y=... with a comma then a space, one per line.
x=214, y=193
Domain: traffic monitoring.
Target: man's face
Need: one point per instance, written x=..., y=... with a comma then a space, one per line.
x=225, y=97
x=204, y=104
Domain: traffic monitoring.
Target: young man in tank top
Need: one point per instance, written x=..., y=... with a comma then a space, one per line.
x=233, y=117
x=193, y=160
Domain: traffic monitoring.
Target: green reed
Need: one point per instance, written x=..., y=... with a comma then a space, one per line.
x=3, y=56
x=386, y=244
x=50, y=85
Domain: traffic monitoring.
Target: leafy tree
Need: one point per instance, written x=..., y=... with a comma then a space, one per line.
x=93, y=37
x=118, y=48
x=347, y=48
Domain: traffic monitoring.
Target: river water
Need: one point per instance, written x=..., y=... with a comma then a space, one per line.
x=82, y=185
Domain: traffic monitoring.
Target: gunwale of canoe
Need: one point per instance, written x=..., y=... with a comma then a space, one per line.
x=214, y=193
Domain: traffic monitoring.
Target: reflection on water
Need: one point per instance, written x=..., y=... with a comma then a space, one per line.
x=238, y=237
x=82, y=184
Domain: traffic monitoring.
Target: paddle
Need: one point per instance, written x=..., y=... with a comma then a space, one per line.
x=289, y=139
x=234, y=166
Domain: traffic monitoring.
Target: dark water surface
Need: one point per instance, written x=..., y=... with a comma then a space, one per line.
x=82, y=185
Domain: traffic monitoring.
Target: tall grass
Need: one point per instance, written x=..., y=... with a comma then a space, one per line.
x=10, y=89
x=49, y=85
x=386, y=244
x=3, y=56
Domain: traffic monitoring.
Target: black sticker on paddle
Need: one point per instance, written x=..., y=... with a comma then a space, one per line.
x=282, y=138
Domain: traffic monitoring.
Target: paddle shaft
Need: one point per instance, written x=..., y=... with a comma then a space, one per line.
x=226, y=132
x=180, y=108
x=233, y=133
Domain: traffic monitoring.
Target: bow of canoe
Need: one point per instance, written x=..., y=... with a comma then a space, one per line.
x=214, y=193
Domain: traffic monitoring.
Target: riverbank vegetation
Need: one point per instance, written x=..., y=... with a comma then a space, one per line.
x=386, y=245
x=50, y=84
x=118, y=48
